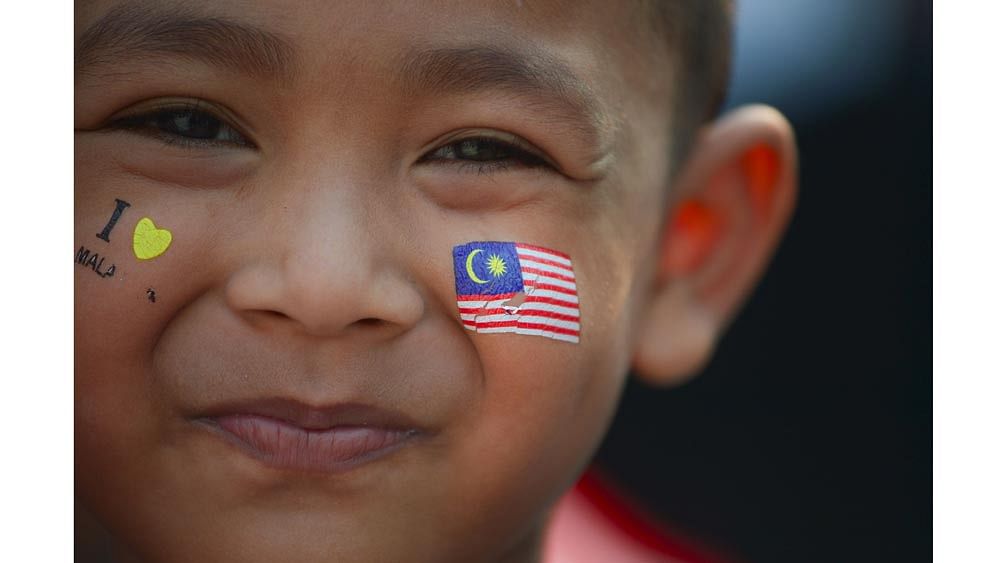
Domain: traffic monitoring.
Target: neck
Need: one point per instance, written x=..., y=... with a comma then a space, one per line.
x=528, y=549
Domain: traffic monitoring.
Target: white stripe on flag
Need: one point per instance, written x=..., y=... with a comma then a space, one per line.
x=486, y=319
x=535, y=306
x=531, y=252
x=496, y=329
x=527, y=331
x=553, y=295
x=525, y=263
x=480, y=304
x=547, y=333
x=553, y=281
x=550, y=322
x=495, y=318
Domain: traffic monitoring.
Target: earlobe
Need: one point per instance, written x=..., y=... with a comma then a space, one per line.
x=733, y=200
x=678, y=338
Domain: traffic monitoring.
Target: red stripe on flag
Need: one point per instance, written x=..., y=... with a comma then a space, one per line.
x=536, y=326
x=549, y=315
x=548, y=274
x=525, y=313
x=551, y=301
x=551, y=287
x=493, y=297
x=499, y=310
x=481, y=311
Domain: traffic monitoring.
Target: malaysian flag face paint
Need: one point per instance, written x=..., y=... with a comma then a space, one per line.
x=516, y=287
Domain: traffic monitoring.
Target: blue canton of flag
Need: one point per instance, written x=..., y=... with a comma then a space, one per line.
x=487, y=268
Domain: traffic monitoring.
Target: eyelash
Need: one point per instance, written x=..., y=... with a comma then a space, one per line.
x=513, y=155
x=156, y=122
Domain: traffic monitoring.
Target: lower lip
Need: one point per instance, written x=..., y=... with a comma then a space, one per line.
x=286, y=446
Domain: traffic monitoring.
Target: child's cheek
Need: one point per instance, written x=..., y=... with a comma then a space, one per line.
x=549, y=401
x=546, y=406
x=140, y=252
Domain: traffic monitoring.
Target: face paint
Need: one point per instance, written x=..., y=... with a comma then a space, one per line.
x=94, y=261
x=761, y=167
x=119, y=207
x=515, y=287
x=148, y=242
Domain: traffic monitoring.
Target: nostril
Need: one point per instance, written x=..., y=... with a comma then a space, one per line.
x=322, y=302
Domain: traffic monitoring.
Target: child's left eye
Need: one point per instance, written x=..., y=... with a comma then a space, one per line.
x=485, y=155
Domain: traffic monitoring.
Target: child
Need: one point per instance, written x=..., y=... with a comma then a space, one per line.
x=361, y=281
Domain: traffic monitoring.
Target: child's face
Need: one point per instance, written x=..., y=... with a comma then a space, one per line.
x=314, y=197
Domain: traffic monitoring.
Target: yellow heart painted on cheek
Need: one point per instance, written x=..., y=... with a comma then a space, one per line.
x=148, y=241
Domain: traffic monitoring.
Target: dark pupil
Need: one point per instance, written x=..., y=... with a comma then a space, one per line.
x=193, y=124
x=478, y=149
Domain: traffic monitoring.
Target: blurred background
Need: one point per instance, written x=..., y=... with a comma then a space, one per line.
x=808, y=438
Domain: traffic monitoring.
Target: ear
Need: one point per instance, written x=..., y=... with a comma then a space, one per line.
x=730, y=205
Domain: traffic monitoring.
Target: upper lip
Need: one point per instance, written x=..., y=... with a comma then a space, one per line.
x=315, y=417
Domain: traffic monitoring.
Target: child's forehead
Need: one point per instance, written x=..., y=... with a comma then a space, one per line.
x=325, y=26
x=576, y=55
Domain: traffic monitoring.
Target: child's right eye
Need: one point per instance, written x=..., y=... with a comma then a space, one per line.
x=187, y=124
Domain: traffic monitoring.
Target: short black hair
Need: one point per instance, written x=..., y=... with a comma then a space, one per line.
x=698, y=36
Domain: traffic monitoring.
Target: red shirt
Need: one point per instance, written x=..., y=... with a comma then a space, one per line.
x=593, y=524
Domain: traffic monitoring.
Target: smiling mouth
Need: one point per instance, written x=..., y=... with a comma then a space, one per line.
x=287, y=435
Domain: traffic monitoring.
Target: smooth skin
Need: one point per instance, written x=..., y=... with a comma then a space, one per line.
x=314, y=262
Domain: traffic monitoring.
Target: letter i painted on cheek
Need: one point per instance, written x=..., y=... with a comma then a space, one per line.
x=119, y=207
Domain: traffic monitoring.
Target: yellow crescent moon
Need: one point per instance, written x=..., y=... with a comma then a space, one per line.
x=468, y=266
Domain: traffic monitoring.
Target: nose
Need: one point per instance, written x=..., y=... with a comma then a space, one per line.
x=322, y=263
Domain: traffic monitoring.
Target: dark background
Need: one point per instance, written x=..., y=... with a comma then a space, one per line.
x=808, y=437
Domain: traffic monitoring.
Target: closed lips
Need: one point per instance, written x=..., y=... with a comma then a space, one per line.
x=286, y=434
x=284, y=445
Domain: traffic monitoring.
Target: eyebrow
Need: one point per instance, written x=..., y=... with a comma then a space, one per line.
x=136, y=30
x=540, y=78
